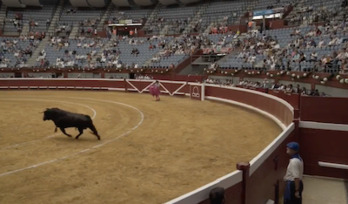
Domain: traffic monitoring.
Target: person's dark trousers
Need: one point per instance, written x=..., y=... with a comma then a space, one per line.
x=289, y=194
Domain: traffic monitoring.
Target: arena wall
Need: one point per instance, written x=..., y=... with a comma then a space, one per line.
x=266, y=102
x=321, y=129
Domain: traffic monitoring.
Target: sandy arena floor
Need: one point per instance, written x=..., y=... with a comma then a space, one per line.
x=150, y=152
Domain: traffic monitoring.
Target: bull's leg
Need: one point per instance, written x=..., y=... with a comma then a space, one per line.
x=95, y=132
x=63, y=130
x=80, y=133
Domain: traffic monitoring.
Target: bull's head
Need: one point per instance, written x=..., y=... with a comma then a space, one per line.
x=47, y=114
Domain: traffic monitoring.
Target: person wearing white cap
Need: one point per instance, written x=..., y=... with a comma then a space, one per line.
x=293, y=176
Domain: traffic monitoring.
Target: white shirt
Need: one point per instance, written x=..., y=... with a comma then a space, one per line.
x=294, y=170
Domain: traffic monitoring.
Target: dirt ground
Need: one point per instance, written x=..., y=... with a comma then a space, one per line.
x=150, y=152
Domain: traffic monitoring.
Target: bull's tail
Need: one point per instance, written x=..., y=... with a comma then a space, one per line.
x=92, y=127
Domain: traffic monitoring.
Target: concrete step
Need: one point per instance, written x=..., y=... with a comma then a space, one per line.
x=323, y=190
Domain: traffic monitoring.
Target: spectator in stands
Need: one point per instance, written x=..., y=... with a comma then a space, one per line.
x=289, y=89
x=293, y=176
x=321, y=43
x=314, y=56
x=304, y=91
x=314, y=92
x=344, y=66
x=217, y=195
x=333, y=41
x=302, y=57
x=135, y=52
x=297, y=89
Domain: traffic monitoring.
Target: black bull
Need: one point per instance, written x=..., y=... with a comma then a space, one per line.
x=64, y=119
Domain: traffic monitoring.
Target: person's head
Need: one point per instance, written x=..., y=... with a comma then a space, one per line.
x=292, y=148
x=217, y=195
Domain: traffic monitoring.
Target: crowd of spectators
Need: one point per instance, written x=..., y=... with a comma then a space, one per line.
x=63, y=29
x=285, y=88
x=144, y=77
x=311, y=12
x=173, y=26
x=15, y=52
x=267, y=85
x=86, y=24
x=75, y=52
x=265, y=51
x=260, y=50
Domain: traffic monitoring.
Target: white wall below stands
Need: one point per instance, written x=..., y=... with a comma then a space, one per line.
x=7, y=75
x=80, y=75
x=189, y=1
x=13, y=3
x=97, y=3
x=144, y=2
x=116, y=76
x=79, y=3
x=168, y=2
x=331, y=91
x=121, y=2
x=31, y=2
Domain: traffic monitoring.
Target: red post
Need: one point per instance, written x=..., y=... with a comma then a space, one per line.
x=125, y=85
x=244, y=167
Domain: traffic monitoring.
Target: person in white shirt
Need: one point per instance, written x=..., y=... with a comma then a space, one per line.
x=321, y=43
x=293, y=176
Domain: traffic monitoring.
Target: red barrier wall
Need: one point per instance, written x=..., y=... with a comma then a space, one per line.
x=324, y=109
x=293, y=99
x=269, y=105
x=326, y=146
x=61, y=83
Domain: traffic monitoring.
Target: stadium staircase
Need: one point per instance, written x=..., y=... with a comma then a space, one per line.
x=105, y=16
x=250, y=6
x=151, y=18
x=32, y=60
x=3, y=10
x=74, y=31
x=25, y=30
x=164, y=31
x=296, y=9
x=55, y=18
x=51, y=31
x=196, y=18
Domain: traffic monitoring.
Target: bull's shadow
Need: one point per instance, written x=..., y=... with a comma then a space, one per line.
x=64, y=119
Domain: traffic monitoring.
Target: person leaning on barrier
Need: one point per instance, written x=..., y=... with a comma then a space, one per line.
x=293, y=176
x=217, y=195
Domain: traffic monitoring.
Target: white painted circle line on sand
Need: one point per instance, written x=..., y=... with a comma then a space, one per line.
x=36, y=99
x=32, y=99
x=88, y=149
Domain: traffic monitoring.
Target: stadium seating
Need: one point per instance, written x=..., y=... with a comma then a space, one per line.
x=240, y=51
